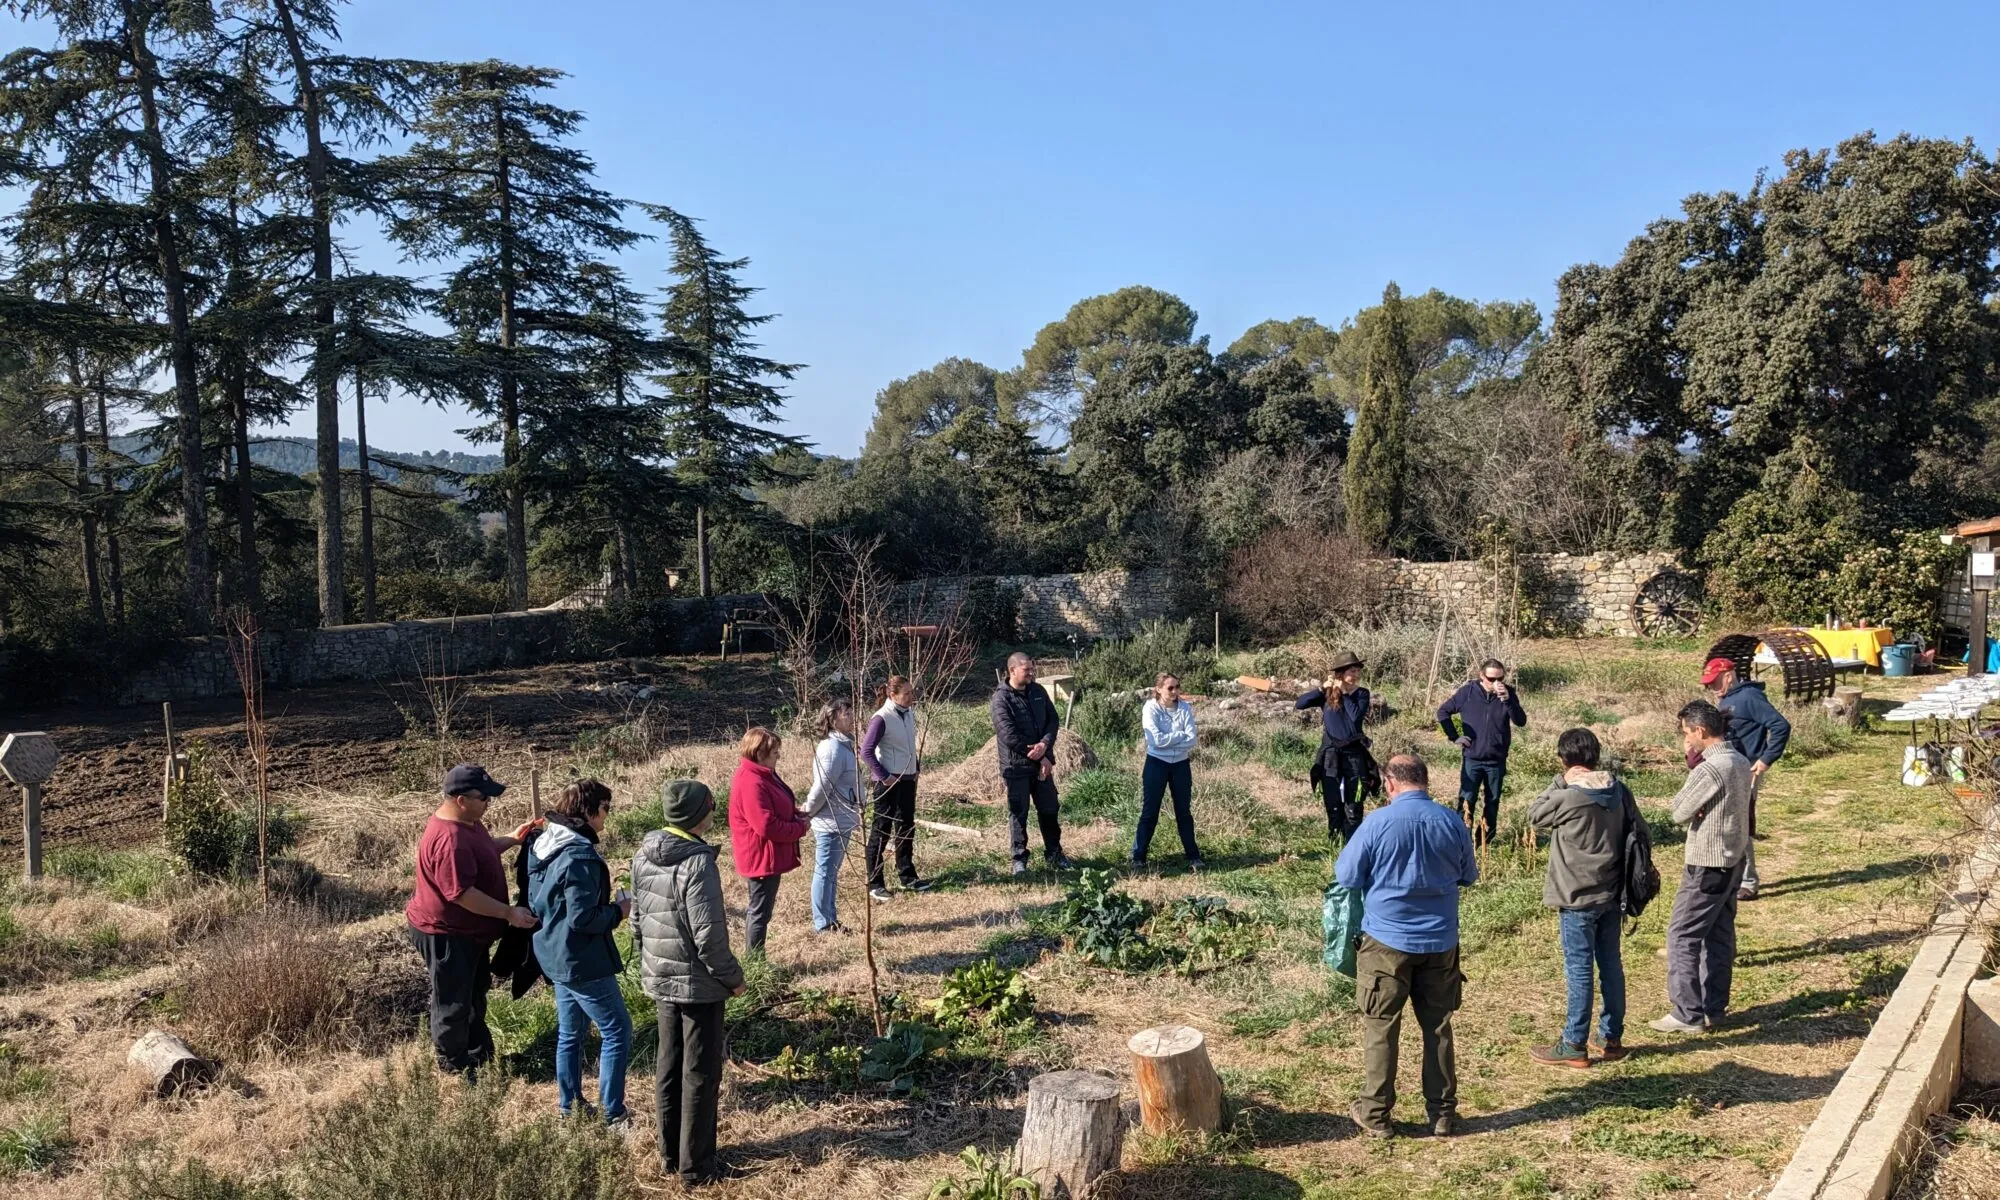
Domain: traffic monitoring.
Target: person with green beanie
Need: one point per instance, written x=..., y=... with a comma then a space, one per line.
x=680, y=932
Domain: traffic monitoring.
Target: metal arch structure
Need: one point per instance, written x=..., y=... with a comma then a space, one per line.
x=1807, y=669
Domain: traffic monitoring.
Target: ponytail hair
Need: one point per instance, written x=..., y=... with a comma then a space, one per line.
x=896, y=684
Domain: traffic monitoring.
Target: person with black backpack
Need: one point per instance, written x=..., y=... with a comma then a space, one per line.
x=1591, y=820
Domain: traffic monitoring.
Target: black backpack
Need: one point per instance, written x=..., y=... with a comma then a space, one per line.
x=1642, y=878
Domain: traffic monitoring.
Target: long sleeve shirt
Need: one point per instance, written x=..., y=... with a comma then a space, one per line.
x=1170, y=735
x=1714, y=804
x=1408, y=860
x=834, y=801
x=1487, y=720
x=1757, y=729
x=1343, y=716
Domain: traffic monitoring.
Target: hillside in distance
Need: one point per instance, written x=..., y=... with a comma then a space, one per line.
x=298, y=456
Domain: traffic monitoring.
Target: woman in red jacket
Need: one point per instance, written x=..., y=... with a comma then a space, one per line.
x=765, y=826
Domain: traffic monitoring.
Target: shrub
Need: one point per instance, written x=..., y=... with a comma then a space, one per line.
x=408, y=1138
x=203, y=830
x=160, y=1177
x=1136, y=661
x=1292, y=579
x=275, y=983
x=1108, y=721
x=1898, y=584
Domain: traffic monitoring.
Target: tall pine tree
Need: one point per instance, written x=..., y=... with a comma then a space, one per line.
x=719, y=403
x=1373, y=482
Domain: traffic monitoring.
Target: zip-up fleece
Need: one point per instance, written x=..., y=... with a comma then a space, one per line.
x=1585, y=821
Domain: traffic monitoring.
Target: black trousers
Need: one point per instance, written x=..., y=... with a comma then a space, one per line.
x=688, y=1087
x=1023, y=790
x=895, y=824
x=757, y=917
x=1345, y=781
x=460, y=978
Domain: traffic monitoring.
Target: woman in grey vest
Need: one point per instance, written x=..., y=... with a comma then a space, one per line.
x=889, y=750
x=834, y=808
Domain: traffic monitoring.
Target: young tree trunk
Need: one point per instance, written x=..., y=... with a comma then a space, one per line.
x=1178, y=1086
x=367, y=502
x=81, y=432
x=200, y=594
x=628, y=571
x=1072, y=1134
x=113, y=567
x=510, y=395
x=326, y=386
x=701, y=549
x=251, y=569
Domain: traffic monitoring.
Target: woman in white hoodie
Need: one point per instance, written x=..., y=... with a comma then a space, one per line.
x=834, y=806
x=1170, y=741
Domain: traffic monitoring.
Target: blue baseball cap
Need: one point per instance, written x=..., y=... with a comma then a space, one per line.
x=471, y=777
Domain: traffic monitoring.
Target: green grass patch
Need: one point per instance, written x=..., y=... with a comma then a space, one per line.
x=35, y=1143
x=1288, y=752
x=125, y=875
x=1101, y=792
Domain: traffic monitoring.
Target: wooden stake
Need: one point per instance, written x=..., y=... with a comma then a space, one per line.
x=1437, y=654
x=31, y=826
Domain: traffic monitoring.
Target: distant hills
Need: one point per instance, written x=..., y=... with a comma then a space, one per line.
x=299, y=456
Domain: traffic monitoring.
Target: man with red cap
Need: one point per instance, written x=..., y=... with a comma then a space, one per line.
x=1758, y=732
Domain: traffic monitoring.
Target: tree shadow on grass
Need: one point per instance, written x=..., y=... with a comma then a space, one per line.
x=1832, y=947
x=1216, y=1181
x=1901, y=868
x=1721, y=1085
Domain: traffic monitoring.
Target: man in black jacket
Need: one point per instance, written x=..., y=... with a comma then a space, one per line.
x=1757, y=731
x=1488, y=710
x=1024, y=729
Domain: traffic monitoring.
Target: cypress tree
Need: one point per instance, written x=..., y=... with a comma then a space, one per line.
x=1373, y=478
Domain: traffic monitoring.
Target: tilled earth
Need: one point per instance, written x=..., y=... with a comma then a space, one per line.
x=107, y=789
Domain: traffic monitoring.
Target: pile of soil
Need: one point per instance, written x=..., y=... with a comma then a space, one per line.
x=978, y=778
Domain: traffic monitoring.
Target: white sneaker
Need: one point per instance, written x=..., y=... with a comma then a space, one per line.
x=1673, y=1024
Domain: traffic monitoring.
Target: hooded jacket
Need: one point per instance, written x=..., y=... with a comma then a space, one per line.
x=1757, y=730
x=1585, y=821
x=569, y=888
x=680, y=930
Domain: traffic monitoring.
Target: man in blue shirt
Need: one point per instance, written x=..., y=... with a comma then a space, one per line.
x=1408, y=860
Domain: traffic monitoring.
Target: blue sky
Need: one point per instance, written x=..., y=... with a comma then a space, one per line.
x=914, y=181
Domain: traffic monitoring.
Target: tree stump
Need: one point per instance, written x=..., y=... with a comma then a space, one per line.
x=1178, y=1087
x=170, y=1064
x=1845, y=706
x=1073, y=1133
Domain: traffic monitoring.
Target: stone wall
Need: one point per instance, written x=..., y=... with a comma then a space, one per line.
x=1086, y=606
x=196, y=668
x=1588, y=594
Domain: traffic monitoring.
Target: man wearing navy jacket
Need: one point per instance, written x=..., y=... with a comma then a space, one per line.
x=1488, y=710
x=1757, y=731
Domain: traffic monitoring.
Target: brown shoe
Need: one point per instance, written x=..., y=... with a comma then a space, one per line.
x=1610, y=1051
x=1745, y=895
x=1561, y=1055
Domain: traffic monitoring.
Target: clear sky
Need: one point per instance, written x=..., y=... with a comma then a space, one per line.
x=915, y=181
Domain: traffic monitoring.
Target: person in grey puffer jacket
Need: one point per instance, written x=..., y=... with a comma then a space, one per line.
x=680, y=932
x=1585, y=812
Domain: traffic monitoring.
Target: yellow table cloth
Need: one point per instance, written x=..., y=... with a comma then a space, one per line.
x=1864, y=644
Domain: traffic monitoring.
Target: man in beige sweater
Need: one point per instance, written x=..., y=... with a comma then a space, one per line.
x=1714, y=804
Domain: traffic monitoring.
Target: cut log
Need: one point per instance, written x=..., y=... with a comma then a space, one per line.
x=1845, y=706
x=1256, y=683
x=1072, y=1134
x=170, y=1064
x=1178, y=1086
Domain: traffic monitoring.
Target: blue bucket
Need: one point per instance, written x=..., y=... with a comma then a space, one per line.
x=1899, y=659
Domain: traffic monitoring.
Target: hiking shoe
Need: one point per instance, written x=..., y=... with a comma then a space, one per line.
x=1062, y=863
x=1444, y=1125
x=834, y=927
x=1197, y=865
x=1743, y=895
x=1135, y=864
x=1369, y=1125
x=1020, y=868
x=880, y=895
x=1562, y=1054
x=1673, y=1024
x=919, y=885
x=1610, y=1051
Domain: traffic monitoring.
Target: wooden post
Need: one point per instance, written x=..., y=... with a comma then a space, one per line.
x=1975, y=663
x=1178, y=1086
x=27, y=760
x=1218, y=633
x=1073, y=1133
x=170, y=1065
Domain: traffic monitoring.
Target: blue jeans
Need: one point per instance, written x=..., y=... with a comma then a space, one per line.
x=578, y=1007
x=1474, y=775
x=829, y=851
x=1591, y=935
x=1156, y=780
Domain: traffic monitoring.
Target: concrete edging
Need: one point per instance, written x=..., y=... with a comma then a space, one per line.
x=1908, y=1068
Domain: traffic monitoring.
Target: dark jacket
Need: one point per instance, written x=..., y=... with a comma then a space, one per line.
x=1585, y=822
x=1756, y=728
x=680, y=930
x=569, y=888
x=1489, y=722
x=1020, y=719
x=1341, y=721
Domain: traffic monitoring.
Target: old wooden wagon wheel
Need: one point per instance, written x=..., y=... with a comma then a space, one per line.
x=1668, y=605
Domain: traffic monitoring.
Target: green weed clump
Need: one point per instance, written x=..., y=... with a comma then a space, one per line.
x=1100, y=792
x=984, y=995
x=1113, y=928
x=1135, y=662
x=34, y=1144
x=986, y=1180
x=123, y=875
x=1109, y=721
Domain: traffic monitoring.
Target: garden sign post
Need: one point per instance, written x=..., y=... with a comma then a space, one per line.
x=28, y=759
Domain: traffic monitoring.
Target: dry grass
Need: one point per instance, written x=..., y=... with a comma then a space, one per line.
x=1848, y=886
x=1959, y=1158
x=273, y=984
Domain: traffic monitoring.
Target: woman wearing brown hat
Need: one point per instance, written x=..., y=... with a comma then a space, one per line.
x=1345, y=773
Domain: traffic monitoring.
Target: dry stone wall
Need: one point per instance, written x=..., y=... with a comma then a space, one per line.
x=1084, y=606
x=1589, y=594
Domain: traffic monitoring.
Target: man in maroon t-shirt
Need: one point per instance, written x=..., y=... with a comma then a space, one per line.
x=458, y=908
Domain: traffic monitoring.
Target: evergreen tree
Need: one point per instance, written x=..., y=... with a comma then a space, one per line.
x=491, y=182
x=719, y=405
x=1373, y=481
